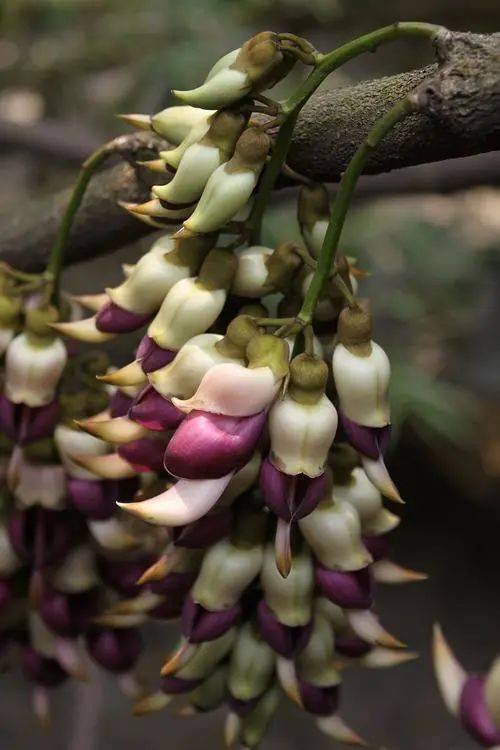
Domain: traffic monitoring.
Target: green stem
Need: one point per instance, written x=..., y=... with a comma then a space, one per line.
x=56, y=257
x=325, y=64
x=346, y=188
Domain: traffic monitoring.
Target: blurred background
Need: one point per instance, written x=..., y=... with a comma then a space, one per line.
x=433, y=273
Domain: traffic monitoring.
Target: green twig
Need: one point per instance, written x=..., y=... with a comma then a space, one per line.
x=56, y=257
x=346, y=188
x=325, y=64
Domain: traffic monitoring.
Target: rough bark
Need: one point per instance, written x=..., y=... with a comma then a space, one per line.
x=460, y=95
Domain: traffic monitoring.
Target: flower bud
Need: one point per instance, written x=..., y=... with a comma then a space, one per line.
x=199, y=128
x=251, y=275
x=226, y=571
x=174, y=123
x=210, y=694
x=40, y=484
x=33, y=367
x=252, y=664
x=192, y=305
x=152, y=277
x=289, y=599
x=333, y=531
x=207, y=656
x=313, y=214
x=317, y=677
x=302, y=426
x=255, y=725
x=78, y=573
x=366, y=498
x=201, y=159
x=232, y=184
x=183, y=376
x=71, y=443
x=114, y=650
x=282, y=266
x=361, y=371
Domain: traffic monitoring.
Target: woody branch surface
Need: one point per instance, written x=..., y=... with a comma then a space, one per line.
x=461, y=117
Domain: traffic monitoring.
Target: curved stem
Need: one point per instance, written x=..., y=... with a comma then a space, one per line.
x=56, y=257
x=346, y=188
x=325, y=64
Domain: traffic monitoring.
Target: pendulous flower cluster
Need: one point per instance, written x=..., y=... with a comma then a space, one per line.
x=68, y=558
x=265, y=427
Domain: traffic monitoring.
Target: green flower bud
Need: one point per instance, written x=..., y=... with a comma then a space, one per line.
x=255, y=725
x=290, y=599
x=308, y=378
x=240, y=331
x=267, y=350
x=252, y=664
x=212, y=692
x=282, y=266
x=207, y=655
x=315, y=663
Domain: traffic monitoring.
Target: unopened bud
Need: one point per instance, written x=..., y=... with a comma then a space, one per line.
x=282, y=266
x=289, y=599
x=251, y=278
x=252, y=664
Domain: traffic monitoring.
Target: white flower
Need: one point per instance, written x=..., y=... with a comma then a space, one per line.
x=197, y=131
x=175, y=123
x=188, y=309
x=71, y=443
x=40, y=485
x=233, y=390
x=182, y=377
x=251, y=273
x=289, y=598
x=362, y=384
x=301, y=435
x=79, y=572
x=225, y=573
x=368, y=501
x=33, y=370
x=197, y=164
x=150, y=280
x=222, y=88
x=224, y=194
x=333, y=531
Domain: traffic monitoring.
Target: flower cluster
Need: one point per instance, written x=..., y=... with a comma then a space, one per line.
x=473, y=699
x=266, y=435
x=68, y=558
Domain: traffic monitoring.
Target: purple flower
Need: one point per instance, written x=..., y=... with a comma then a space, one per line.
x=96, y=500
x=351, y=646
x=41, y=669
x=115, y=650
x=153, y=411
x=318, y=700
x=119, y=404
x=115, y=319
x=152, y=356
x=377, y=546
x=145, y=454
x=370, y=441
x=199, y=624
x=204, y=532
x=286, y=641
x=474, y=713
x=208, y=446
x=53, y=530
x=122, y=575
x=172, y=685
x=290, y=498
x=350, y=590
x=23, y=424
x=68, y=614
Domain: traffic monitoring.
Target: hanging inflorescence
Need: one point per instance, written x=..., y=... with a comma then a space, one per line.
x=243, y=443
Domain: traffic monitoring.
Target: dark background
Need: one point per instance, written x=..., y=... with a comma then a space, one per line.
x=66, y=67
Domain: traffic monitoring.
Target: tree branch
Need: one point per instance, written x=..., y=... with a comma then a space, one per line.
x=462, y=96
